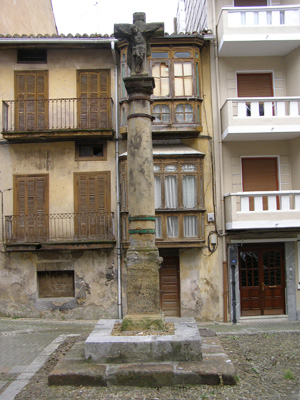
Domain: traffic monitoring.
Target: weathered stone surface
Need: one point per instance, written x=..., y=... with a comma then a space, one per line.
x=184, y=345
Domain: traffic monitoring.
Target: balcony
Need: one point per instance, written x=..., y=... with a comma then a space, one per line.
x=261, y=118
x=262, y=210
x=172, y=117
x=174, y=228
x=53, y=119
x=59, y=231
x=258, y=31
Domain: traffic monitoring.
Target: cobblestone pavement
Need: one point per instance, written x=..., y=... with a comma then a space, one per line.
x=266, y=357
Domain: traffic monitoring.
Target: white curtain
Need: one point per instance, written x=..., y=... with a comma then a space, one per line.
x=158, y=227
x=189, y=193
x=190, y=227
x=157, y=191
x=171, y=192
x=172, y=226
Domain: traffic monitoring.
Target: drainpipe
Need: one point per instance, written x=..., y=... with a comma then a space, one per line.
x=224, y=253
x=118, y=184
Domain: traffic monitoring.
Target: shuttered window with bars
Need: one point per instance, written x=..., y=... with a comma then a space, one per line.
x=31, y=207
x=31, y=95
x=92, y=203
x=94, y=99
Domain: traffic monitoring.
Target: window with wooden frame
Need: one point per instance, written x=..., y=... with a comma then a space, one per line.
x=31, y=105
x=92, y=203
x=31, y=207
x=175, y=72
x=87, y=151
x=94, y=107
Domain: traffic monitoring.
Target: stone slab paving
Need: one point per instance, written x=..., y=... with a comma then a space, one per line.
x=266, y=357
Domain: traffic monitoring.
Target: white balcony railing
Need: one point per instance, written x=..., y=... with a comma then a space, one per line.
x=259, y=210
x=265, y=31
x=268, y=115
x=263, y=16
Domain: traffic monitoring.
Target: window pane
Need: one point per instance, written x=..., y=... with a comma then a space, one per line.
x=171, y=192
x=172, y=226
x=157, y=191
x=178, y=69
x=179, y=89
x=189, y=192
x=188, y=86
x=160, y=55
x=188, y=167
x=158, y=227
x=164, y=86
x=190, y=227
x=182, y=54
x=164, y=70
x=187, y=68
x=170, y=168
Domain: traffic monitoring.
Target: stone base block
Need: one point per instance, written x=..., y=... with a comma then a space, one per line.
x=215, y=368
x=184, y=345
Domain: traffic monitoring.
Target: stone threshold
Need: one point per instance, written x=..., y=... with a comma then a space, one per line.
x=215, y=368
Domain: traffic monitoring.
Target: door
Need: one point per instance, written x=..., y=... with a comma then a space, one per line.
x=259, y=174
x=31, y=205
x=92, y=203
x=262, y=279
x=255, y=85
x=170, y=286
x=31, y=94
x=250, y=3
x=94, y=99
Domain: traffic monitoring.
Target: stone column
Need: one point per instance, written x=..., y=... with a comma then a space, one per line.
x=142, y=261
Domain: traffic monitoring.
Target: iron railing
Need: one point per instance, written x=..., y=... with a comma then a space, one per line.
x=65, y=227
x=57, y=114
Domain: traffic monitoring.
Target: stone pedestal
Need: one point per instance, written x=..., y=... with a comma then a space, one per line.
x=142, y=261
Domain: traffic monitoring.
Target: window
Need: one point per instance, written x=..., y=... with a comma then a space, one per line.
x=31, y=95
x=161, y=113
x=32, y=56
x=31, y=207
x=184, y=113
x=90, y=152
x=174, y=72
x=56, y=284
x=92, y=203
x=94, y=99
x=160, y=73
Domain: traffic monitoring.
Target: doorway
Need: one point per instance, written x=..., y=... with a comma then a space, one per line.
x=262, y=279
x=169, y=281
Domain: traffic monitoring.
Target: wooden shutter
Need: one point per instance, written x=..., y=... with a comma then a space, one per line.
x=255, y=85
x=92, y=201
x=250, y=3
x=94, y=104
x=31, y=89
x=31, y=207
x=260, y=174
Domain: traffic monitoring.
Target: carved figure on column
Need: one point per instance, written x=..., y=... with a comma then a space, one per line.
x=138, y=36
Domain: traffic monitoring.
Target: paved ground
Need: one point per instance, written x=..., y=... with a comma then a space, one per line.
x=266, y=356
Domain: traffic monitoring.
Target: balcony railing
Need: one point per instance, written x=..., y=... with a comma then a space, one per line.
x=264, y=31
x=268, y=115
x=60, y=228
x=57, y=115
x=259, y=210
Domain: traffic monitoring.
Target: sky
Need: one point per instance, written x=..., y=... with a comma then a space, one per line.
x=99, y=16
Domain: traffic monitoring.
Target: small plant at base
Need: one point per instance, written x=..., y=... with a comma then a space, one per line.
x=288, y=374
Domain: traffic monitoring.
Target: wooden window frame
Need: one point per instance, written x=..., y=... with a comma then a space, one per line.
x=91, y=158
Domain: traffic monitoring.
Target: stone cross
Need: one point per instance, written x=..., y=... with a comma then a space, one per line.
x=138, y=36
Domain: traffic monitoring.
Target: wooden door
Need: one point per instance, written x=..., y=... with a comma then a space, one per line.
x=170, y=286
x=259, y=174
x=262, y=280
x=94, y=99
x=250, y=3
x=92, y=202
x=31, y=205
x=31, y=94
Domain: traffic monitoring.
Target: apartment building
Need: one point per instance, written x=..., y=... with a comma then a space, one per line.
x=63, y=180
x=256, y=99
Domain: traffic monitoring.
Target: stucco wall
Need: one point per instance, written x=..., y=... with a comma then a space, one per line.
x=27, y=16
